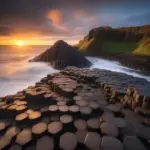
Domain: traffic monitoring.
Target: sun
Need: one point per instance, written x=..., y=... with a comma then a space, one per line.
x=20, y=43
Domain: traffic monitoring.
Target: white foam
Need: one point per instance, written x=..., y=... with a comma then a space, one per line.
x=115, y=67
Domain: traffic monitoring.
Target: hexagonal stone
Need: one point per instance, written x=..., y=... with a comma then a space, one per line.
x=93, y=123
x=120, y=122
x=74, y=108
x=24, y=137
x=133, y=143
x=68, y=141
x=143, y=132
x=45, y=143
x=80, y=124
x=55, y=127
x=2, y=125
x=4, y=142
x=63, y=108
x=16, y=147
x=39, y=128
x=111, y=143
x=109, y=128
x=92, y=140
x=113, y=107
x=34, y=115
x=12, y=132
x=81, y=134
x=82, y=103
x=94, y=105
x=31, y=147
x=107, y=116
x=66, y=119
x=86, y=110
x=53, y=108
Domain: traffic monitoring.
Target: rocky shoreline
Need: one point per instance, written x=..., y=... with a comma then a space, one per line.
x=138, y=62
x=78, y=109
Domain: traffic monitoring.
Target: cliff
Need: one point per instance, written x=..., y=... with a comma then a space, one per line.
x=61, y=55
x=117, y=40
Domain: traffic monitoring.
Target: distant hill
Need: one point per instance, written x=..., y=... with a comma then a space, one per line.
x=61, y=55
x=133, y=40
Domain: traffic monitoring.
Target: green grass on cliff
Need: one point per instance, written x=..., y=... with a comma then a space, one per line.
x=119, y=47
x=144, y=48
x=83, y=46
x=96, y=47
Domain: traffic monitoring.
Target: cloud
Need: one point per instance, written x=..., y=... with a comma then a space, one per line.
x=55, y=16
x=66, y=17
x=57, y=19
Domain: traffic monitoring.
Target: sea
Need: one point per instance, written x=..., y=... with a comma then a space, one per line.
x=17, y=73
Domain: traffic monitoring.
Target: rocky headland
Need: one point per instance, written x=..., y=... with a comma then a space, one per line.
x=61, y=55
x=128, y=45
x=78, y=109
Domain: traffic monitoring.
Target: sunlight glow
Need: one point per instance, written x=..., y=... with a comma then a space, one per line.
x=20, y=43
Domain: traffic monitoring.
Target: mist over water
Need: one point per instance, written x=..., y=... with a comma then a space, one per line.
x=16, y=73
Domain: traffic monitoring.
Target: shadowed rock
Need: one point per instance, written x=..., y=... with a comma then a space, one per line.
x=61, y=55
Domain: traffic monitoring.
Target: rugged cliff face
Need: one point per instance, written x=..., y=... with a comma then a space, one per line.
x=118, y=40
x=61, y=55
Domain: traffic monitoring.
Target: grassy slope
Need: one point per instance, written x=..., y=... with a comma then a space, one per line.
x=106, y=40
x=144, y=48
x=119, y=47
x=138, y=48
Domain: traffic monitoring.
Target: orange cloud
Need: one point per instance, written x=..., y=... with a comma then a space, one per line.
x=55, y=16
x=57, y=20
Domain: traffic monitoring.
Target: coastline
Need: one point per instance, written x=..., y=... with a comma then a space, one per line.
x=139, y=62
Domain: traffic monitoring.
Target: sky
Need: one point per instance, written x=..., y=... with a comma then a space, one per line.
x=42, y=22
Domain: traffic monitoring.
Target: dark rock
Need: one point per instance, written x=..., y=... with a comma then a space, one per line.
x=68, y=141
x=109, y=129
x=46, y=143
x=109, y=143
x=133, y=143
x=92, y=140
x=61, y=55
